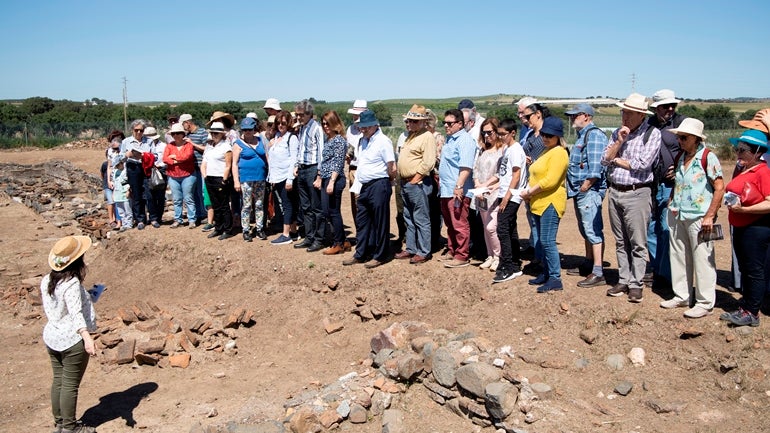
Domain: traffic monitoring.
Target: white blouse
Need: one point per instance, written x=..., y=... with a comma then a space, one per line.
x=68, y=310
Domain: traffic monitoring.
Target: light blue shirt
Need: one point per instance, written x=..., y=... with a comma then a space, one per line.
x=311, y=143
x=131, y=143
x=458, y=152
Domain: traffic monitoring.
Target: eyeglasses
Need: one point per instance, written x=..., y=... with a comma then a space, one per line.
x=485, y=133
x=139, y=130
x=325, y=123
x=667, y=106
x=177, y=133
x=741, y=149
x=572, y=116
x=452, y=123
x=282, y=123
x=411, y=120
x=303, y=114
x=544, y=135
x=527, y=116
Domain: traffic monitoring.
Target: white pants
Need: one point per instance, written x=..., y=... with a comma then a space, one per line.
x=692, y=263
x=124, y=212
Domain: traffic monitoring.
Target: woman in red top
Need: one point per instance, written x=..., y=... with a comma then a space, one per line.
x=748, y=201
x=180, y=169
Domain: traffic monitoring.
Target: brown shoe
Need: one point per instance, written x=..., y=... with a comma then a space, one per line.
x=635, y=295
x=371, y=264
x=401, y=255
x=591, y=281
x=346, y=246
x=332, y=250
x=417, y=259
x=455, y=263
x=352, y=261
x=617, y=290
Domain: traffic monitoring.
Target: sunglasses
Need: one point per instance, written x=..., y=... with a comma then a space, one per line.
x=177, y=133
x=486, y=133
x=527, y=116
x=572, y=116
x=139, y=130
x=282, y=123
x=452, y=123
x=544, y=135
x=741, y=149
x=411, y=120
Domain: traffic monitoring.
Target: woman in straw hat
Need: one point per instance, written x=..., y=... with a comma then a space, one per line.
x=693, y=206
x=71, y=317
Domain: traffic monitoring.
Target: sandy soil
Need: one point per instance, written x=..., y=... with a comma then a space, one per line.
x=288, y=351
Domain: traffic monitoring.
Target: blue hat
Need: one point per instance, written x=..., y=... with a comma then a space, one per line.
x=753, y=137
x=465, y=103
x=367, y=119
x=248, y=123
x=552, y=125
x=581, y=108
x=117, y=159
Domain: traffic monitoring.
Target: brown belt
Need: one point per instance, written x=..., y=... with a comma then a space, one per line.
x=634, y=187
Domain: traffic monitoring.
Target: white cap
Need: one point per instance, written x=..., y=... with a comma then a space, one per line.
x=272, y=103
x=359, y=106
x=664, y=97
x=185, y=118
x=151, y=132
x=253, y=115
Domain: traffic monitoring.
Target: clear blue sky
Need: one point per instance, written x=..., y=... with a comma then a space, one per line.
x=252, y=50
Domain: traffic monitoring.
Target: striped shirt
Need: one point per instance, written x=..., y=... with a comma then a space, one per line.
x=199, y=137
x=585, y=160
x=641, y=157
x=311, y=143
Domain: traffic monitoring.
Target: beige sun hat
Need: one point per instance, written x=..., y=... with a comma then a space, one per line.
x=417, y=112
x=219, y=115
x=177, y=127
x=755, y=123
x=664, y=97
x=359, y=106
x=690, y=126
x=635, y=102
x=151, y=133
x=66, y=250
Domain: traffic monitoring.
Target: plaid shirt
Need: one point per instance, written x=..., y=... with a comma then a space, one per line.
x=640, y=155
x=585, y=160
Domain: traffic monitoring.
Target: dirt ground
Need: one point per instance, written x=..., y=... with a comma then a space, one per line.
x=717, y=377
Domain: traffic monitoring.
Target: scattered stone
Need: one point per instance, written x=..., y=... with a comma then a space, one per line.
x=636, y=356
x=440, y=390
x=358, y=414
x=661, y=407
x=744, y=330
x=475, y=377
x=344, y=408
x=304, y=421
x=500, y=399
x=727, y=365
x=589, y=335
x=498, y=362
x=332, y=327
x=624, y=388
x=394, y=337
x=329, y=417
x=150, y=346
x=528, y=331
x=409, y=366
x=542, y=390
x=382, y=356
x=729, y=336
x=147, y=359
x=181, y=360
x=581, y=363
x=616, y=361
x=124, y=352
x=444, y=367
x=392, y=421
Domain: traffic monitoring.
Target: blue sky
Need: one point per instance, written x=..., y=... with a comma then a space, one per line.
x=252, y=50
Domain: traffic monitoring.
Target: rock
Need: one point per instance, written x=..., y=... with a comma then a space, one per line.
x=382, y=356
x=124, y=352
x=542, y=390
x=624, y=388
x=500, y=399
x=150, y=346
x=616, y=361
x=581, y=363
x=440, y=390
x=394, y=337
x=744, y=330
x=305, y=421
x=409, y=366
x=419, y=343
x=329, y=417
x=498, y=362
x=528, y=330
x=475, y=377
x=146, y=359
x=380, y=402
x=181, y=360
x=444, y=367
x=332, y=327
x=358, y=414
x=661, y=407
x=589, y=335
x=392, y=421
x=636, y=356
x=344, y=408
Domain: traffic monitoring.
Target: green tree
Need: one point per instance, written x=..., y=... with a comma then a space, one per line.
x=719, y=117
x=690, y=110
x=748, y=114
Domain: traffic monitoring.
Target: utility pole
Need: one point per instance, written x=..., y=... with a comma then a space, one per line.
x=125, y=105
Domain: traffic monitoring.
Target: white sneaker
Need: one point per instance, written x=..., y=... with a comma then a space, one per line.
x=696, y=312
x=495, y=264
x=674, y=303
x=487, y=263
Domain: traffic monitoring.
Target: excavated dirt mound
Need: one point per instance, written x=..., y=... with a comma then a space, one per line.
x=697, y=375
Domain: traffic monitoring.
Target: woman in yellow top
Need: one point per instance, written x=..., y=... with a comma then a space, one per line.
x=547, y=197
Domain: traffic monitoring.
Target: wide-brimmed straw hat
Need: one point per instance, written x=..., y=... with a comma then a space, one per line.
x=151, y=133
x=635, y=102
x=272, y=103
x=755, y=123
x=177, y=127
x=66, y=250
x=417, y=112
x=690, y=126
x=219, y=115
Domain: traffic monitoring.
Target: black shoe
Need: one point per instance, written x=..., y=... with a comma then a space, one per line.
x=261, y=235
x=304, y=244
x=617, y=290
x=214, y=234
x=540, y=279
x=317, y=246
x=225, y=235
x=591, y=281
x=247, y=237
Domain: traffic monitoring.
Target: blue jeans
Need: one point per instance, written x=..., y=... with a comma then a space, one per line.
x=183, y=192
x=533, y=236
x=588, y=209
x=417, y=216
x=200, y=208
x=330, y=208
x=657, y=233
x=546, y=226
x=310, y=203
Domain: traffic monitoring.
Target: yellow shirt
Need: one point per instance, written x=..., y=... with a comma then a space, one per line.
x=550, y=173
x=418, y=155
